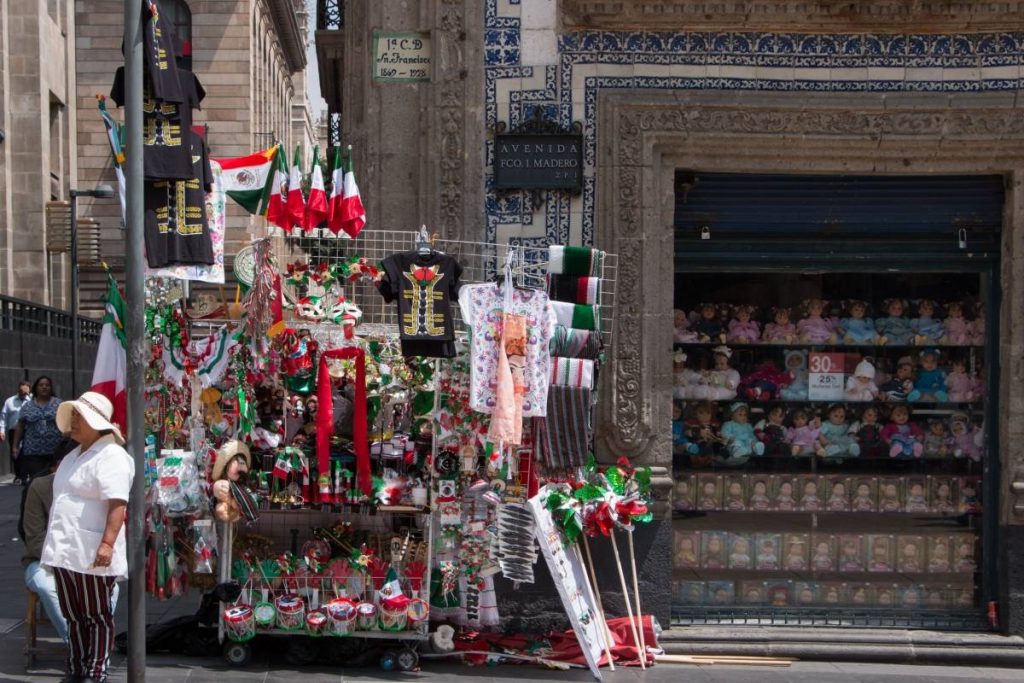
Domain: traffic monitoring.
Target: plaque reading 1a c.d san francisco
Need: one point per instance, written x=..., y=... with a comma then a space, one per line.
x=538, y=162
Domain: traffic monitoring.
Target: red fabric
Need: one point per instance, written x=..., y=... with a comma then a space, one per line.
x=325, y=417
x=564, y=646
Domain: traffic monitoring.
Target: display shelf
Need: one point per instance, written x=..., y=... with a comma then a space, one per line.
x=829, y=348
x=824, y=522
x=917, y=407
x=818, y=615
x=412, y=635
x=704, y=574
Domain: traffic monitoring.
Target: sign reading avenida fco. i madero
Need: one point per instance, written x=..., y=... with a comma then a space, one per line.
x=538, y=161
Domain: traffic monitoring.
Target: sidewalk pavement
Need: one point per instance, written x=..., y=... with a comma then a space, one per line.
x=268, y=665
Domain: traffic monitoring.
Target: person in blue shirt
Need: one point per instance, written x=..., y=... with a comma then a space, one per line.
x=9, y=420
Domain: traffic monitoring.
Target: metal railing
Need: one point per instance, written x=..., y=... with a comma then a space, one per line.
x=330, y=15
x=17, y=315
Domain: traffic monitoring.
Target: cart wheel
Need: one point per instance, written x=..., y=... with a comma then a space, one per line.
x=301, y=651
x=389, y=660
x=237, y=654
x=407, y=659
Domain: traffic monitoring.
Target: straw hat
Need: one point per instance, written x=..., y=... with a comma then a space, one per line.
x=226, y=453
x=94, y=408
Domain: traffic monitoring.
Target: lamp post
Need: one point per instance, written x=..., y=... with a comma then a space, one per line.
x=101, y=192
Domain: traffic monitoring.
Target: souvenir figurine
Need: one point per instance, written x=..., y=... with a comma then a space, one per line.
x=910, y=554
x=904, y=438
x=785, y=500
x=738, y=434
x=734, y=495
x=682, y=334
x=759, y=501
x=813, y=328
x=942, y=496
x=927, y=330
x=976, y=330
x=962, y=387
x=835, y=443
x=713, y=550
x=863, y=495
x=230, y=470
x=917, y=496
x=764, y=383
x=963, y=554
x=722, y=381
x=889, y=496
x=901, y=384
x=856, y=328
x=780, y=330
x=809, y=500
x=966, y=437
x=851, y=553
x=861, y=594
x=721, y=592
x=796, y=366
x=894, y=329
x=767, y=551
x=739, y=552
x=709, y=492
x=752, y=592
x=832, y=593
x=794, y=557
x=804, y=592
x=969, y=503
x=930, y=384
x=957, y=330
x=709, y=326
x=771, y=431
x=880, y=553
x=687, y=546
x=702, y=430
x=778, y=593
x=837, y=501
x=861, y=385
x=869, y=433
x=822, y=560
x=743, y=330
x=803, y=434
x=937, y=442
x=682, y=494
x=938, y=554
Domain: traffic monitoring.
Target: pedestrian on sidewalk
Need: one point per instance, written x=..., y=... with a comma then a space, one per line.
x=36, y=436
x=9, y=420
x=85, y=538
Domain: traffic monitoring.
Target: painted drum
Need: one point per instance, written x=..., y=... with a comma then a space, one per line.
x=291, y=612
x=239, y=623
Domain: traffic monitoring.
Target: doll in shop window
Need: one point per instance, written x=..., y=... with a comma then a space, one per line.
x=969, y=503
x=860, y=594
x=835, y=443
x=963, y=554
x=904, y=438
x=709, y=493
x=930, y=384
x=742, y=329
x=976, y=329
x=809, y=498
x=814, y=328
x=961, y=385
x=889, y=496
x=767, y=551
x=759, y=501
x=739, y=552
x=781, y=330
x=942, y=496
x=713, y=555
x=721, y=592
x=682, y=334
x=703, y=431
x=901, y=384
x=864, y=495
x=687, y=549
x=967, y=439
x=691, y=592
x=868, y=433
x=779, y=594
x=795, y=552
x=738, y=433
x=880, y=553
x=938, y=443
x=894, y=329
x=803, y=434
x=934, y=598
x=734, y=494
x=682, y=494
x=927, y=329
x=857, y=327
x=886, y=596
x=851, y=553
x=709, y=327
x=910, y=597
x=910, y=554
x=805, y=593
x=917, y=495
x=753, y=593
x=823, y=558
x=785, y=500
x=771, y=431
x=956, y=329
x=939, y=559
x=832, y=593
x=838, y=500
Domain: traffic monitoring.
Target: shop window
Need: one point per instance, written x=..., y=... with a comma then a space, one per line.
x=832, y=419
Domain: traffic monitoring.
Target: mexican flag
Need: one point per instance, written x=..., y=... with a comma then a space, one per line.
x=247, y=180
x=115, y=132
x=277, y=196
x=296, y=208
x=316, y=207
x=110, y=372
x=347, y=211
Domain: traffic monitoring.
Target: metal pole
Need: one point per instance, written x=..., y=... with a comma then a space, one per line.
x=135, y=332
x=74, y=294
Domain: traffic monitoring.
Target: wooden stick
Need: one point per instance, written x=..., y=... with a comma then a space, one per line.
x=606, y=632
x=636, y=591
x=629, y=607
x=706, y=660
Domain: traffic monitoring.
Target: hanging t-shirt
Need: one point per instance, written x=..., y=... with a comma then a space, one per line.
x=159, y=52
x=177, y=231
x=482, y=307
x=165, y=126
x=424, y=287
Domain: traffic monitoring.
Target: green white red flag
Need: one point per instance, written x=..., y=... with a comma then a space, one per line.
x=346, y=206
x=316, y=205
x=109, y=374
x=248, y=179
x=296, y=207
x=278, y=192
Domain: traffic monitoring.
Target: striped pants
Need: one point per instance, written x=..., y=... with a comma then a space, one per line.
x=85, y=603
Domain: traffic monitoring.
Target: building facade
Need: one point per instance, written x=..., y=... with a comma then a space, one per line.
x=685, y=130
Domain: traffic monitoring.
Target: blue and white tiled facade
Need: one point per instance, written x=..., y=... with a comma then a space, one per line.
x=529, y=63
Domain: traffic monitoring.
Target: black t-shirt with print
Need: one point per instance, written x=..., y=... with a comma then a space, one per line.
x=177, y=230
x=159, y=50
x=165, y=126
x=425, y=287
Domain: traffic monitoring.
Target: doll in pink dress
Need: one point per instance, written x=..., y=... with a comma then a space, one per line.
x=803, y=435
x=813, y=328
x=681, y=323
x=743, y=330
x=961, y=385
x=905, y=438
x=781, y=330
x=966, y=437
x=958, y=332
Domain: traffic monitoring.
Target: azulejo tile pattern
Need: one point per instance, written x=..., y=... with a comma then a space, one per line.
x=593, y=60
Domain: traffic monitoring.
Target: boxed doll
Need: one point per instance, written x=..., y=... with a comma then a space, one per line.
x=969, y=495
x=942, y=494
x=832, y=593
x=720, y=593
x=851, y=552
x=837, y=488
x=911, y=597
x=861, y=594
x=758, y=488
x=810, y=493
x=805, y=593
x=741, y=554
x=713, y=549
x=823, y=554
x=886, y=594
x=915, y=494
x=751, y=592
x=940, y=554
x=709, y=491
x=690, y=592
x=936, y=597
x=880, y=553
x=735, y=493
x=687, y=549
x=890, y=494
x=768, y=551
x=795, y=552
x=962, y=596
x=783, y=493
x=910, y=554
x=864, y=494
x=683, y=493
x=779, y=593
x=964, y=561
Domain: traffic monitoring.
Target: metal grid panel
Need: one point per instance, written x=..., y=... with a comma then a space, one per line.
x=942, y=620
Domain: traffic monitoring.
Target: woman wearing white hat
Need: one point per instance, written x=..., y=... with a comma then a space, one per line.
x=85, y=539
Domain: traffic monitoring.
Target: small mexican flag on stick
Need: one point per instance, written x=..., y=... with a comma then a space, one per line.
x=316, y=205
x=346, y=206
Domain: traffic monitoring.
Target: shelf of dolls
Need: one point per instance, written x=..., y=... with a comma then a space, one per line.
x=826, y=522
x=726, y=574
x=917, y=407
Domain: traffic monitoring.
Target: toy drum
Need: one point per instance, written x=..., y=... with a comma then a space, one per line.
x=418, y=611
x=239, y=623
x=266, y=615
x=291, y=610
x=316, y=623
x=342, y=613
x=394, y=618
x=367, y=616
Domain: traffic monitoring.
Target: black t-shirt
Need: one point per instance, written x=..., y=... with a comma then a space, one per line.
x=425, y=287
x=165, y=126
x=177, y=231
x=159, y=52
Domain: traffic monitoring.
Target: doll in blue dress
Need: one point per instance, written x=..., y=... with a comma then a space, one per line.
x=931, y=379
x=894, y=329
x=835, y=442
x=927, y=330
x=856, y=327
x=740, y=440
